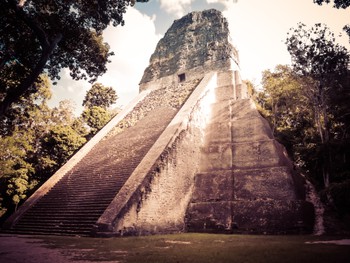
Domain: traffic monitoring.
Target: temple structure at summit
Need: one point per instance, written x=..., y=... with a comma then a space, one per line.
x=191, y=153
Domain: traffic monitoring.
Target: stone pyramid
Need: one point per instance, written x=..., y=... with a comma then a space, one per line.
x=190, y=153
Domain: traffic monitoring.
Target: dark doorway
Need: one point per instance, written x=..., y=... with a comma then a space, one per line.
x=182, y=77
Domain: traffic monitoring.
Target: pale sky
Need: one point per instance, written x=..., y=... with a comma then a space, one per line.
x=258, y=29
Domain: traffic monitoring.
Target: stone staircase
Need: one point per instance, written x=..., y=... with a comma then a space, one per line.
x=246, y=183
x=75, y=203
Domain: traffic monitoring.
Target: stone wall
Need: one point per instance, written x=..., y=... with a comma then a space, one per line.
x=162, y=94
x=155, y=198
x=246, y=182
x=199, y=39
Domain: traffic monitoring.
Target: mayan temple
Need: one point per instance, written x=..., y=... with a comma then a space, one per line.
x=190, y=153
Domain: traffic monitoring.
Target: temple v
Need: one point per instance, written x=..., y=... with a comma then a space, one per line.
x=191, y=153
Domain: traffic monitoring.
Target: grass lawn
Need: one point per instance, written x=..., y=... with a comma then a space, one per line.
x=201, y=248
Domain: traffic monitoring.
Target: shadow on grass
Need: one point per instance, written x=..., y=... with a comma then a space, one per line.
x=200, y=248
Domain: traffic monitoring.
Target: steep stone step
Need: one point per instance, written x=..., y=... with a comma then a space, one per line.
x=37, y=230
x=68, y=210
x=75, y=203
x=61, y=216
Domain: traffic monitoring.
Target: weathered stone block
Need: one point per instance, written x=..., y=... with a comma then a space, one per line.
x=209, y=217
x=220, y=112
x=226, y=78
x=250, y=129
x=224, y=93
x=255, y=154
x=219, y=132
x=216, y=157
x=265, y=183
x=189, y=44
x=245, y=109
x=277, y=217
x=218, y=186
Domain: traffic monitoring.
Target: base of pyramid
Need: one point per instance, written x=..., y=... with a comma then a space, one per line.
x=251, y=217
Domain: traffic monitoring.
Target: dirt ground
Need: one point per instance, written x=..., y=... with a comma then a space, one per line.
x=26, y=249
x=192, y=248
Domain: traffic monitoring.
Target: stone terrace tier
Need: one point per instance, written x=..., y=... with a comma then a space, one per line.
x=247, y=183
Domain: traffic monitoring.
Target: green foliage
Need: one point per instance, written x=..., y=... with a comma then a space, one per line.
x=315, y=54
x=96, y=117
x=20, y=135
x=323, y=66
x=64, y=113
x=35, y=140
x=28, y=112
x=50, y=36
x=282, y=93
x=16, y=170
x=250, y=88
x=97, y=102
x=100, y=96
x=312, y=120
x=61, y=142
x=284, y=105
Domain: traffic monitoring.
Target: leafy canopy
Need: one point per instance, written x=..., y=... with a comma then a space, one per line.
x=96, y=117
x=100, y=96
x=315, y=54
x=338, y=4
x=50, y=35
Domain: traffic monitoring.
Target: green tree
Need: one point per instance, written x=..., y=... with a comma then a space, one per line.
x=64, y=113
x=297, y=129
x=285, y=106
x=96, y=117
x=33, y=144
x=100, y=96
x=97, y=102
x=321, y=67
x=316, y=58
x=51, y=35
x=61, y=142
x=50, y=156
x=16, y=171
x=282, y=90
x=20, y=137
x=28, y=111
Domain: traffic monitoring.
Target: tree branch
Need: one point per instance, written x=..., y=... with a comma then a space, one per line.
x=47, y=49
x=31, y=23
x=13, y=94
